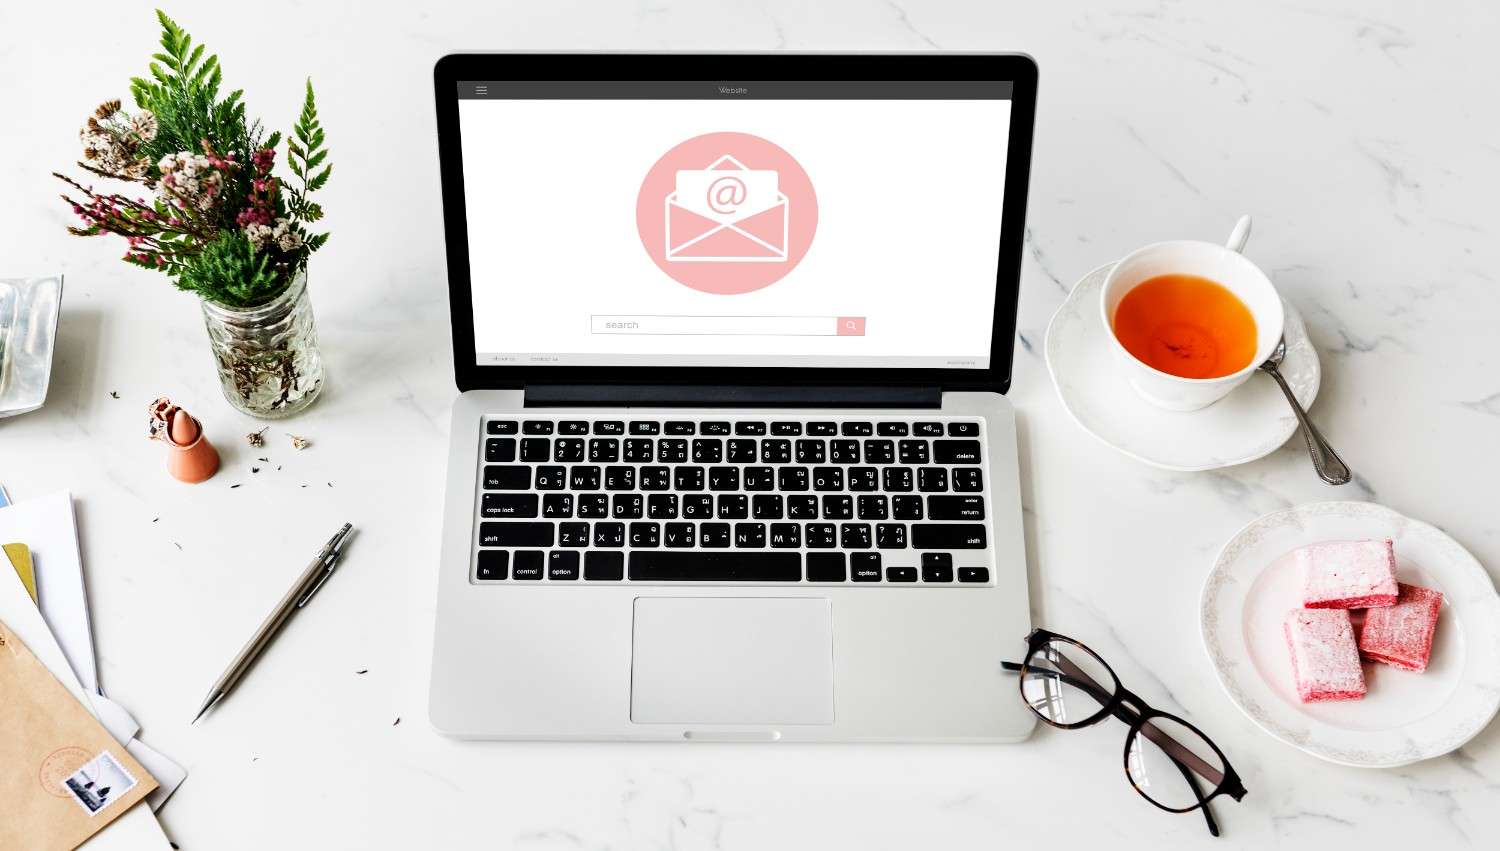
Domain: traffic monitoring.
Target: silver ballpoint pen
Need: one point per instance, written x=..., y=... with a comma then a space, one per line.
x=301, y=591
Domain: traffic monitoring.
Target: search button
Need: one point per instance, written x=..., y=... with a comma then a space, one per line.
x=851, y=326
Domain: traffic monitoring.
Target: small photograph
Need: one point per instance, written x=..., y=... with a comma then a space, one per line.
x=99, y=783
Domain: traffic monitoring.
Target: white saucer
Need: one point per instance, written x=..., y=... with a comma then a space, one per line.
x=1249, y=423
x=1404, y=717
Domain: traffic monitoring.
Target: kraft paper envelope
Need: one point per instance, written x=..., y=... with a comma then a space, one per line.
x=63, y=777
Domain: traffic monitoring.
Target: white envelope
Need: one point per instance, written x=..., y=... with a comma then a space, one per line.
x=726, y=213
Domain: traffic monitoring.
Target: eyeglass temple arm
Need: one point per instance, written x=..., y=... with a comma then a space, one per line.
x=1075, y=676
x=1208, y=816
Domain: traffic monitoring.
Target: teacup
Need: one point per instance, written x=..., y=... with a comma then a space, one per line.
x=1223, y=264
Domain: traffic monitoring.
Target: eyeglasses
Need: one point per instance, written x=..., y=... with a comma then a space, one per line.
x=1167, y=760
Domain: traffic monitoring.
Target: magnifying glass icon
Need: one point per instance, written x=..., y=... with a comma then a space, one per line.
x=851, y=326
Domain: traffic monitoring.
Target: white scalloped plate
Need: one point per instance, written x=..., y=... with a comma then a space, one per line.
x=1405, y=717
x=1250, y=423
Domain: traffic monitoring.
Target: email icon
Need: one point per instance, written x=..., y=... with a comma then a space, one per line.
x=726, y=213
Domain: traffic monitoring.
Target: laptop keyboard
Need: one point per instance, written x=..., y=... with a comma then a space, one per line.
x=890, y=501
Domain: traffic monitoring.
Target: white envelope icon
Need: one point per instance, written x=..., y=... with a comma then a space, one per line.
x=726, y=213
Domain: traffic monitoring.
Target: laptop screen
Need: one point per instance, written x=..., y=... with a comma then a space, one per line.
x=754, y=224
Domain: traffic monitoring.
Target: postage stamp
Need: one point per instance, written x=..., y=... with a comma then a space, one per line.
x=100, y=782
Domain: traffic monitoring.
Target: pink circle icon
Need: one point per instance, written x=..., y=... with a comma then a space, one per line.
x=726, y=213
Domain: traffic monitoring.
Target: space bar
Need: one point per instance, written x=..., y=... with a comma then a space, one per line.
x=707, y=566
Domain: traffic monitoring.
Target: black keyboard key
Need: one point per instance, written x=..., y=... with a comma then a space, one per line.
x=557, y=505
x=955, y=507
x=680, y=427
x=713, y=535
x=906, y=507
x=502, y=449
x=948, y=536
x=647, y=535
x=671, y=450
x=973, y=574
x=609, y=427
x=890, y=536
x=828, y=479
x=742, y=451
x=750, y=536
x=863, y=570
x=508, y=505
x=619, y=478
x=698, y=506
x=928, y=429
x=822, y=429
x=492, y=564
x=933, y=479
x=937, y=567
x=791, y=429
x=603, y=567
x=895, y=479
x=583, y=478
x=734, y=506
x=656, y=479
x=573, y=427
x=838, y=507
x=968, y=479
x=786, y=535
x=759, y=479
x=826, y=567
x=497, y=534
x=912, y=452
x=955, y=451
x=604, y=450
x=901, y=574
x=627, y=506
x=811, y=452
x=754, y=429
x=593, y=505
x=679, y=535
x=775, y=450
x=551, y=478
x=687, y=479
x=609, y=535
x=567, y=449
x=537, y=427
x=874, y=507
x=820, y=536
x=573, y=534
x=891, y=429
x=863, y=479
x=880, y=452
x=723, y=478
x=708, y=451
x=792, y=478
x=843, y=451
x=767, y=506
x=507, y=478
x=536, y=449
x=529, y=564
x=727, y=566
x=500, y=427
x=802, y=507
x=644, y=427
x=662, y=506
x=856, y=429
x=715, y=427
x=638, y=450
x=562, y=565
x=854, y=536
x=963, y=429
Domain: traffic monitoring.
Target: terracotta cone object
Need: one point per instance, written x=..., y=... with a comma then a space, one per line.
x=191, y=458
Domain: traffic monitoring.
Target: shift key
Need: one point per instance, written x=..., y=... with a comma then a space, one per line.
x=947, y=536
x=515, y=534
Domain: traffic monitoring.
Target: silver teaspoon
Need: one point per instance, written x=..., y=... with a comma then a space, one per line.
x=1331, y=468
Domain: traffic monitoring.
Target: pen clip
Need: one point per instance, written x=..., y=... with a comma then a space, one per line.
x=327, y=572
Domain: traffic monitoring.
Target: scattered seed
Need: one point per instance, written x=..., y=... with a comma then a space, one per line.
x=232, y=487
x=154, y=519
x=113, y=394
x=255, y=469
x=363, y=671
x=177, y=545
x=264, y=460
x=397, y=721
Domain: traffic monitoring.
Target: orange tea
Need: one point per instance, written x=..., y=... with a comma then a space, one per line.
x=1186, y=326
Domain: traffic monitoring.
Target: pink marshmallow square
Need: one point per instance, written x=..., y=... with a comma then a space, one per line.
x=1348, y=574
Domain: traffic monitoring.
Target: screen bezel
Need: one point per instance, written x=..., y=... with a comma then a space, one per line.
x=1018, y=69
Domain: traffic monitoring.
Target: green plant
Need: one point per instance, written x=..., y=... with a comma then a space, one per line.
x=220, y=224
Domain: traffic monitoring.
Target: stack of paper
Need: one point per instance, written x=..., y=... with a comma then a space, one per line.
x=54, y=628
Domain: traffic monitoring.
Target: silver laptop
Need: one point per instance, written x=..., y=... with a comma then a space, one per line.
x=732, y=459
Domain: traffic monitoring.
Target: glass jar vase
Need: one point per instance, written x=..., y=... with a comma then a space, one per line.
x=267, y=355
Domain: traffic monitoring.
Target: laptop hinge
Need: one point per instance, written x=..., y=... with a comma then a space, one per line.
x=731, y=396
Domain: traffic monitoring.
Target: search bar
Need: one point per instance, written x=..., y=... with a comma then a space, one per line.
x=730, y=326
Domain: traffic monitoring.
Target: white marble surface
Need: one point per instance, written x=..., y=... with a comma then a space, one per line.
x=1362, y=135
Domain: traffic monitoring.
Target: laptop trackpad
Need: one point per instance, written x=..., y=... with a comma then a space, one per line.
x=732, y=660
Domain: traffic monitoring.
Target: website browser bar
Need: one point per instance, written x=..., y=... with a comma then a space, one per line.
x=729, y=326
